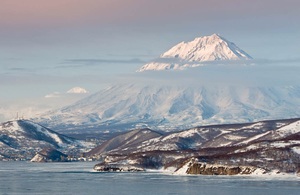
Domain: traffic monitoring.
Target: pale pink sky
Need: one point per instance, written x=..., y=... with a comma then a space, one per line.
x=40, y=39
x=61, y=28
x=16, y=13
x=55, y=20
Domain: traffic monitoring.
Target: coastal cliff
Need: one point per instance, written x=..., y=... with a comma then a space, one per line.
x=201, y=168
x=211, y=169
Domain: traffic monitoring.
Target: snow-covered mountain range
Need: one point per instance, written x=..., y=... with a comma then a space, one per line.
x=174, y=107
x=196, y=53
x=21, y=139
x=212, y=136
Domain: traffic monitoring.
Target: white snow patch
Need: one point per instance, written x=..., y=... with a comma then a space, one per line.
x=289, y=129
x=15, y=126
x=234, y=137
x=254, y=138
x=258, y=171
x=258, y=125
x=248, y=148
x=183, y=134
x=282, y=144
x=49, y=134
x=296, y=149
x=184, y=168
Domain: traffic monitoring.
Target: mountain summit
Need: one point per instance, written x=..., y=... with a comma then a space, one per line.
x=207, y=48
x=194, y=53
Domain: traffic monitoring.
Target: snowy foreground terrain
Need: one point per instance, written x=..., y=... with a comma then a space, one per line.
x=265, y=147
x=260, y=148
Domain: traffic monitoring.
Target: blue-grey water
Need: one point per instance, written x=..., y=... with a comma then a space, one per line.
x=78, y=178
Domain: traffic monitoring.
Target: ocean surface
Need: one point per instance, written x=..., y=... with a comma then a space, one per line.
x=79, y=178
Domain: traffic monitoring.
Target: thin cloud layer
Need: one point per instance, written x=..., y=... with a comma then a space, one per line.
x=53, y=95
x=69, y=63
x=251, y=73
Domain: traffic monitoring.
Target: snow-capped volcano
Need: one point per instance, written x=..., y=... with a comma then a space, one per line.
x=194, y=53
x=207, y=48
x=171, y=100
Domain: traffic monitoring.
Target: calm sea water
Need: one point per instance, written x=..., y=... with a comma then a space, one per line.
x=78, y=178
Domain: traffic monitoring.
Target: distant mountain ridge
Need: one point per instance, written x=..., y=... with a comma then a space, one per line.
x=201, y=49
x=174, y=107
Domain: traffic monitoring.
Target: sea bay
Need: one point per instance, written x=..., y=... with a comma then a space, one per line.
x=79, y=178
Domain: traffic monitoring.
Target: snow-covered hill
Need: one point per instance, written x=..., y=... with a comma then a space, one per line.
x=23, y=138
x=193, y=53
x=213, y=136
x=174, y=107
x=267, y=145
x=125, y=141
